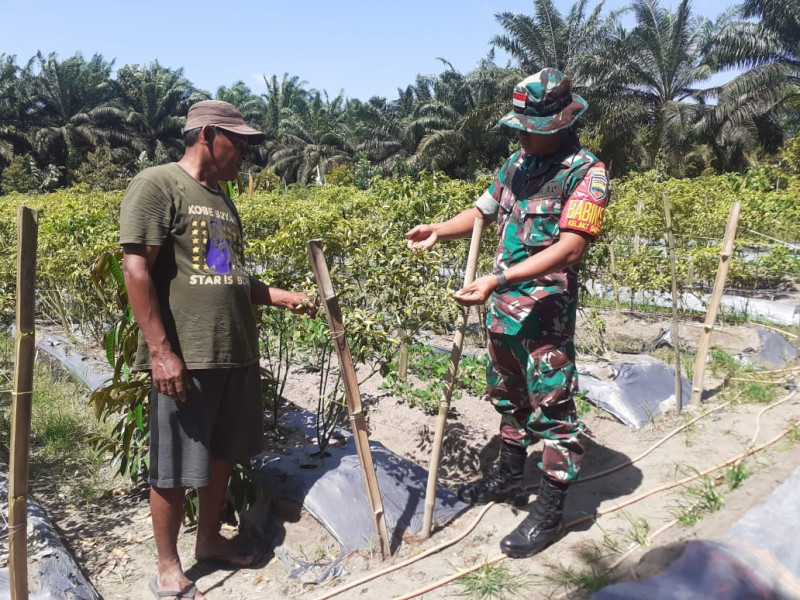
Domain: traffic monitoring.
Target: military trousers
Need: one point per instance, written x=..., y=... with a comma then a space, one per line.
x=532, y=385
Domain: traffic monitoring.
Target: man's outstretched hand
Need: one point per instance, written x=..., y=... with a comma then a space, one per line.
x=422, y=237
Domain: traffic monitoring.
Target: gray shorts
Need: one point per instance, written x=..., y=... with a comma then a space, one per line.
x=220, y=419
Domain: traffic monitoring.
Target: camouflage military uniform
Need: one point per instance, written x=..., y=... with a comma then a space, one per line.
x=531, y=376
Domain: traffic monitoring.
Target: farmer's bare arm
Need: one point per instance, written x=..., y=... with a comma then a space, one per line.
x=564, y=253
x=169, y=371
x=423, y=237
x=297, y=302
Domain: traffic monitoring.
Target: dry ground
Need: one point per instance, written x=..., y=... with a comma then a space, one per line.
x=113, y=541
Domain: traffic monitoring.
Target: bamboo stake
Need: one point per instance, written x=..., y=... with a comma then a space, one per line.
x=676, y=341
x=452, y=370
x=713, y=305
x=320, y=267
x=22, y=397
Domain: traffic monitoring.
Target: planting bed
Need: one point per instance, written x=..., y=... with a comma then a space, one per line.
x=112, y=539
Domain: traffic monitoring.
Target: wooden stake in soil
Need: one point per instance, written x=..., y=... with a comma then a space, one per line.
x=452, y=370
x=676, y=341
x=22, y=397
x=320, y=267
x=713, y=305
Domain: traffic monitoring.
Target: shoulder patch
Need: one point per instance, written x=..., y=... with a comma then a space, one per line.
x=598, y=183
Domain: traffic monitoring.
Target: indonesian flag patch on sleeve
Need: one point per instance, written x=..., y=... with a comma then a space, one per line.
x=585, y=207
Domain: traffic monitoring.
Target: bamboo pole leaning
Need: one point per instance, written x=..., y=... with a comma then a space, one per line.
x=452, y=371
x=359, y=427
x=21, y=402
x=676, y=340
x=713, y=305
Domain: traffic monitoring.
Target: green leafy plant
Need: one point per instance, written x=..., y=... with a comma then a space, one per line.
x=698, y=499
x=582, y=405
x=125, y=400
x=735, y=474
x=637, y=531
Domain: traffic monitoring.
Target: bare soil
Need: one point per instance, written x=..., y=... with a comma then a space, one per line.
x=112, y=540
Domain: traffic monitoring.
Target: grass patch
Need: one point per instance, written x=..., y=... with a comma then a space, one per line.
x=493, y=582
x=723, y=364
x=752, y=392
x=735, y=474
x=62, y=464
x=590, y=579
x=698, y=499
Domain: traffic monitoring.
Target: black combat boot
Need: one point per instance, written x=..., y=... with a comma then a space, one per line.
x=542, y=526
x=504, y=484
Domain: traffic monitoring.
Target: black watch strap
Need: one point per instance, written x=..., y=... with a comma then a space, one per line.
x=502, y=282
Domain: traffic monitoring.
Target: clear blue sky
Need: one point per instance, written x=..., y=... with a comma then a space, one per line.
x=363, y=48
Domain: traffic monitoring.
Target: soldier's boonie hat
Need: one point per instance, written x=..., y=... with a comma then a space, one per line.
x=223, y=115
x=544, y=103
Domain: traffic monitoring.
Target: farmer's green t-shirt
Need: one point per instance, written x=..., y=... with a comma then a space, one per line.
x=203, y=289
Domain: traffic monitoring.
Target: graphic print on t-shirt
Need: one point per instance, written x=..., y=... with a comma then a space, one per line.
x=218, y=252
x=216, y=248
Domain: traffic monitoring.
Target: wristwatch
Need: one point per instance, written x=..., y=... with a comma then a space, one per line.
x=502, y=282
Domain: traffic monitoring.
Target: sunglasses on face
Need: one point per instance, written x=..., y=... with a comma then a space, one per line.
x=239, y=141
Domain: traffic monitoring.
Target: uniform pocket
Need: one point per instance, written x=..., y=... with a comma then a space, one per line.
x=540, y=221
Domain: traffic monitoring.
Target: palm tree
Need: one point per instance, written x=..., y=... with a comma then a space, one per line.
x=252, y=107
x=390, y=132
x=645, y=84
x=72, y=110
x=548, y=39
x=12, y=110
x=155, y=100
x=282, y=99
x=752, y=105
x=465, y=138
x=314, y=138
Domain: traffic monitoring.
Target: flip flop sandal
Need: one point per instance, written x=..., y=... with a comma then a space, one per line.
x=187, y=592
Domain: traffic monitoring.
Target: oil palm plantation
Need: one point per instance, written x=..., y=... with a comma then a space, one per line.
x=283, y=98
x=12, y=110
x=462, y=114
x=154, y=101
x=549, y=39
x=647, y=86
x=72, y=111
x=755, y=105
x=390, y=131
x=313, y=139
x=252, y=107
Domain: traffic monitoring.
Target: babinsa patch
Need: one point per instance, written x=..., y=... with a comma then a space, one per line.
x=584, y=208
